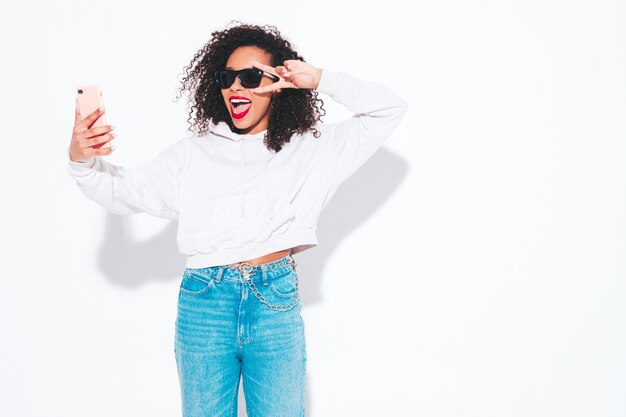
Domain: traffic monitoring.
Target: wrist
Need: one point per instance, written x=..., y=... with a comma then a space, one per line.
x=318, y=77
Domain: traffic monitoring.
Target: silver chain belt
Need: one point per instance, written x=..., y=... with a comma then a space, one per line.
x=245, y=268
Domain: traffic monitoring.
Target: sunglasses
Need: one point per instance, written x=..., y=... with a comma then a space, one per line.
x=248, y=77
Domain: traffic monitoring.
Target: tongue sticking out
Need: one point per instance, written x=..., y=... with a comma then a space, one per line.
x=240, y=108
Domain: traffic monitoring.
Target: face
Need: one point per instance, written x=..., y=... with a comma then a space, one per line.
x=256, y=116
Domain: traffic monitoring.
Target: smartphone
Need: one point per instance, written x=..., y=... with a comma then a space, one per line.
x=89, y=100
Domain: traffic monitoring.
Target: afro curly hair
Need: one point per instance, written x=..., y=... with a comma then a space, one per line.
x=293, y=110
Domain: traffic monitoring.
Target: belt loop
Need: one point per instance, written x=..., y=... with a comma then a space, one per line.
x=264, y=273
x=220, y=271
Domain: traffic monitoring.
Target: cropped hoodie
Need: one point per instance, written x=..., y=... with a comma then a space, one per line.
x=233, y=198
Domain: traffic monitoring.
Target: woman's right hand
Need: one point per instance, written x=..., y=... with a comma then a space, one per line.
x=89, y=142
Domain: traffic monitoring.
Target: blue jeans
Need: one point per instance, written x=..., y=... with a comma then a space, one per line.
x=238, y=321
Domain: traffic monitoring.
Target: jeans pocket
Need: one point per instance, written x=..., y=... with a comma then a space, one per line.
x=285, y=286
x=195, y=282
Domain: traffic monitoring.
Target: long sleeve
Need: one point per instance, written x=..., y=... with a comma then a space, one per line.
x=150, y=188
x=377, y=112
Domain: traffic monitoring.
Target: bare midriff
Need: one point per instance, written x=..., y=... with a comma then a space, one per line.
x=270, y=257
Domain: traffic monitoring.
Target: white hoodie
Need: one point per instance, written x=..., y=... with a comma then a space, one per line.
x=233, y=198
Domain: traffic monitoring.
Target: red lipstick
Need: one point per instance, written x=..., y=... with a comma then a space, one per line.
x=243, y=107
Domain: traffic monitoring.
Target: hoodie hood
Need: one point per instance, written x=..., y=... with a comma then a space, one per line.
x=222, y=129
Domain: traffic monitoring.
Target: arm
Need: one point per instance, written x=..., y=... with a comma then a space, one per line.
x=378, y=111
x=150, y=188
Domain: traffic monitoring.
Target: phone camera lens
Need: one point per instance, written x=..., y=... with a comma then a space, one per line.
x=80, y=91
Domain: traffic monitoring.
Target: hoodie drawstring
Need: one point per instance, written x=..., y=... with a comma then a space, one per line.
x=243, y=177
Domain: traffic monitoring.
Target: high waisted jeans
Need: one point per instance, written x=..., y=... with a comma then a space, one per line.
x=225, y=331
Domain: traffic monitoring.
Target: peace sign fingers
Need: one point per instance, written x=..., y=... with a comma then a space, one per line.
x=265, y=68
x=274, y=86
x=282, y=83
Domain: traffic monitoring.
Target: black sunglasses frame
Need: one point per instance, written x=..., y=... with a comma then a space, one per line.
x=259, y=73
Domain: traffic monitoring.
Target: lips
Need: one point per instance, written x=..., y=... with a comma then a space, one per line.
x=239, y=106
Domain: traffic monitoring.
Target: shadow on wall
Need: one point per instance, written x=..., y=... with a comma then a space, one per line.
x=130, y=263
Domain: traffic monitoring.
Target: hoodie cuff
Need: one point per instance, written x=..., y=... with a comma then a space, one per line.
x=329, y=82
x=80, y=167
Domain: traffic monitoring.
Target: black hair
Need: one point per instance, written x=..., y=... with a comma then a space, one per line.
x=293, y=110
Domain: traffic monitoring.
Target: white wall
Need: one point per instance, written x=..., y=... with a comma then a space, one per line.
x=473, y=267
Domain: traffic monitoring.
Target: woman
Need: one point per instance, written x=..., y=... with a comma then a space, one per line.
x=247, y=191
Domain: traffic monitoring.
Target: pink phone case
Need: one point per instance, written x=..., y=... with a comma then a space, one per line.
x=89, y=100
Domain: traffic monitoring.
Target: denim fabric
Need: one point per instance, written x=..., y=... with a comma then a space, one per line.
x=224, y=333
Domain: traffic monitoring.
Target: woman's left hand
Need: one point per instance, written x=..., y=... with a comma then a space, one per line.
x=294, y=74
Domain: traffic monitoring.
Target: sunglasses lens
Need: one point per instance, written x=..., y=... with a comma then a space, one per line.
x=250, y=78
x=225, y=78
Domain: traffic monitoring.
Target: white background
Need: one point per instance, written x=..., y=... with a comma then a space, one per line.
x=473, y=267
